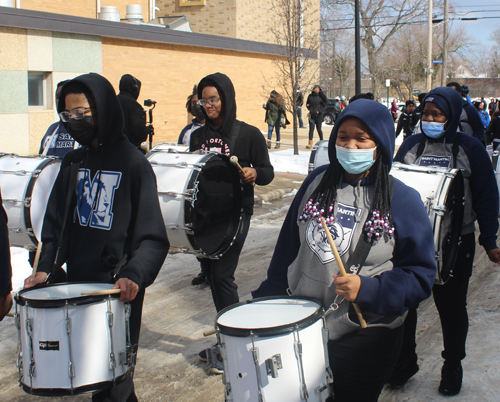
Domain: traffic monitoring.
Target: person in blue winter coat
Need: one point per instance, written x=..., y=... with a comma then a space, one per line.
x=388, y=253
x=440, y=143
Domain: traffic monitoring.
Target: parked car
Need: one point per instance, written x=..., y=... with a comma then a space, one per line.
x=330, y=114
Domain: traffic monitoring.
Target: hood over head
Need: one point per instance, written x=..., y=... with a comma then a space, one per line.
x=130, y=85
x=449, y=101
x=226, y=91
x=107, y=113
x=379, y=121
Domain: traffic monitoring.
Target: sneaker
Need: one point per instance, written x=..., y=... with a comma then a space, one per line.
x=199, y=279
x=451, y=378
x=404, y=369
x=216, y=366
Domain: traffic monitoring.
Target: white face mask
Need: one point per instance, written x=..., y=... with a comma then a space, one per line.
x=355, y=161
x=432, y=129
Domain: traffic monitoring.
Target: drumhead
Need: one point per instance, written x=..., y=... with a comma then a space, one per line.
x=215, y=210
x=268, y=316
x=57, y=295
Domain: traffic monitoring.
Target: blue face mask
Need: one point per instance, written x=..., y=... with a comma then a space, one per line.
x=355, y=161
x=432, y=129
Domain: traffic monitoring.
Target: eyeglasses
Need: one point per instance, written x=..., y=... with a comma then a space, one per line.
x=77, y=113
x=211, y=101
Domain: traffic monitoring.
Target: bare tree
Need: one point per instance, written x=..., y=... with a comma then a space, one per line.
x=296, y=34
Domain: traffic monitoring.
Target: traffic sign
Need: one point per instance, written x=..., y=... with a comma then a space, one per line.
x=437, y=61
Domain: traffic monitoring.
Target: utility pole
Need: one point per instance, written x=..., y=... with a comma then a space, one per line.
x=357, y=47
x=429, y=50
x=445, y=39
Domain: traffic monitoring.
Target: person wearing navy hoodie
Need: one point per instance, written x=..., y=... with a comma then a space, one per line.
x=113, y=231
x=397, y=271
x=441, y=144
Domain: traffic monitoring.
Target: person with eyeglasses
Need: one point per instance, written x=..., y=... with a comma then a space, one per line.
x=223, y=133
x=196, y=110
x=136, y=129
x=113, y=226
x=440, y=143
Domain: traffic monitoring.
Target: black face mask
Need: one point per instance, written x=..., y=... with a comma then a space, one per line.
x=82, y=130
x=198, y=112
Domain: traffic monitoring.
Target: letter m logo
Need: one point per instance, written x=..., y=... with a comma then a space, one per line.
x=95, y=198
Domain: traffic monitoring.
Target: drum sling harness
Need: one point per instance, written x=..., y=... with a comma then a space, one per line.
x=454, y=150
x=73, y=173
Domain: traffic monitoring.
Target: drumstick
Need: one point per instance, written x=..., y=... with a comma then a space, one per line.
x=9, y=314
x=101, y=292
x=209, y=332
x=342, y=269
x=234, y=160
x=37, y=258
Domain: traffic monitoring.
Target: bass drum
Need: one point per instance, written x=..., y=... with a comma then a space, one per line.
x=319, y=155
x=274, y=349
x=26, y=183
x=171, y=148
x=201, y=201
x=442, y=192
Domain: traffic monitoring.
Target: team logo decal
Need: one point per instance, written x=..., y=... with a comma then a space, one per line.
x=342, y=232
x=96, y=197
x=434, y=160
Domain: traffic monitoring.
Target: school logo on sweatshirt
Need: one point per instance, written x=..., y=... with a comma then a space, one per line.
x=95, y=198
x=342, y=232
x=435, y=160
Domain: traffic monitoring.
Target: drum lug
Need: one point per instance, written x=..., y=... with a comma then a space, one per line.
x=297, y=346
x=273, y=365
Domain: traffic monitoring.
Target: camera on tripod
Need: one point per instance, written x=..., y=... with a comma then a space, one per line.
x=149, y=102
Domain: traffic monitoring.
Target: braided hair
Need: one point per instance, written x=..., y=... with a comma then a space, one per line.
x=323, y=198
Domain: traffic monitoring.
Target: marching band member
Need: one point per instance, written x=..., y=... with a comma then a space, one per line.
x=224, y=134
x=441, y=144
x=113, y=231
x=5, y=266
x=388, y=253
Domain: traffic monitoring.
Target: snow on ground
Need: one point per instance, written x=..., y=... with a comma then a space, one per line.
x=286, y=162
x=21, y=268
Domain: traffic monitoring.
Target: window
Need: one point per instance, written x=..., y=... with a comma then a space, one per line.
x=37, y=90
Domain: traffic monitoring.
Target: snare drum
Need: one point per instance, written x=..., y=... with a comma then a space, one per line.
x=200, y=199
x=274, y=349
x=69, y=343
x=319, y=155
x=26, y=184
x=442, y=192
x=171, y=147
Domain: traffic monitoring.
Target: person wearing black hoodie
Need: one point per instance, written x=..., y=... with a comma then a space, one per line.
x=5, y=265
x=225, y=134
x=116, y=236
x=316, y=103
x=442, y=144
x=135, y=118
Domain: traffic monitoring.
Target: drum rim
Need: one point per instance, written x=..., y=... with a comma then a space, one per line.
x=269, y=331
x=98, y=386
x=58, y=303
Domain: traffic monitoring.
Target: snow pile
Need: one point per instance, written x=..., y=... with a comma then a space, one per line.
x=286, y=162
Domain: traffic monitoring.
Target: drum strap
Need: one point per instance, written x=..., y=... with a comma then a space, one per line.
x=454, y=150
x=357, y=259
x=73, y=173
x=235, y=132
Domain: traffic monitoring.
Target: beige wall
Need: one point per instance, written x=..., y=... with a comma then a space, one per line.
x=169, y=72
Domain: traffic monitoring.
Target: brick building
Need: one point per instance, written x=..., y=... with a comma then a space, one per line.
x=50, y=40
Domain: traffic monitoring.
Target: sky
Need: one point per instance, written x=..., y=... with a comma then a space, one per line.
x=482, y=28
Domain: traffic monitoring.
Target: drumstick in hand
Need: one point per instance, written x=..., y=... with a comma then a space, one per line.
x=101, y=292
x=37, y=258
x=342, y=269
x=234, y=160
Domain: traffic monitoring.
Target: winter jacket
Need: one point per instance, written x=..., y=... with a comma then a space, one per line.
x=119, y=232
x=316, y=104
x=135, y=118
x=398, y=272
x=493, y=131
x=485, y=118
x=481, y=193
x=470, y=121
x=274, y=113
x=405, y=124
x=249, y=145
x=185, y=135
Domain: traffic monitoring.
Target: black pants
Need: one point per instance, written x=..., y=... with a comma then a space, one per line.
x=220, y=273
x=318, y=120
x=362, y=361
x=124, y=391
x=451, y=303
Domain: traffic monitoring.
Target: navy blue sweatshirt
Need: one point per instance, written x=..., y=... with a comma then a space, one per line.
x=481, y=190
x=115, y=218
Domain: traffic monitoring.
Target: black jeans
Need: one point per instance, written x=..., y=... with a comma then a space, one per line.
x=451, y=303
x=362, y=361
x=318, y=120
x=220, y=273
x=124, y=391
